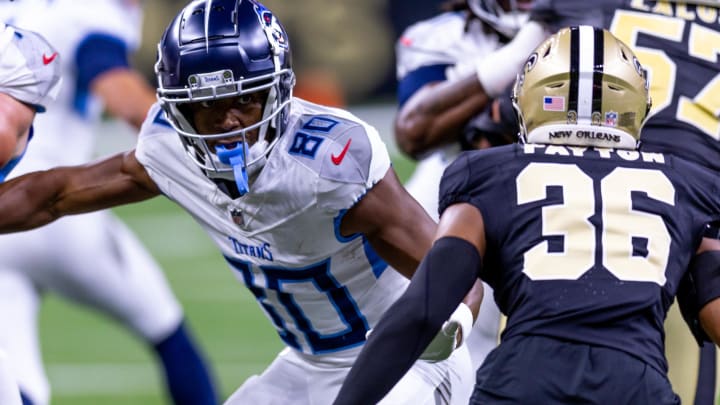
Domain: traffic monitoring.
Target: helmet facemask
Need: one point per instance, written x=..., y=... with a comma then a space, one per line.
x=217, y=162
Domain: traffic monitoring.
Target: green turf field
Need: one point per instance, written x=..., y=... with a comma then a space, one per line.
x=90, y=360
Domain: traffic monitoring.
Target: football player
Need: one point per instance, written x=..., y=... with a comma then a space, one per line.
x=431, y=55
x=583, y=237
x=674, y=41
x=92, y=259
x=29, y=80
x=300, y=199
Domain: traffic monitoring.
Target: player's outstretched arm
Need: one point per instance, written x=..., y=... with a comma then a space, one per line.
x=437, y=113
x=38, y=198
x=396, y=226
x=126, y=94
x=445, y=276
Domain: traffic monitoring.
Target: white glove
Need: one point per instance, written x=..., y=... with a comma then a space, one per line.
x=446, y=340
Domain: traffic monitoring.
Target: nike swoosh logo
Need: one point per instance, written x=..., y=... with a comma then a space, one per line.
x=48, y=59
x=339, y=158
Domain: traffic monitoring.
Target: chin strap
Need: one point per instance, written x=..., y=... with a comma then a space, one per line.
x=235, y=157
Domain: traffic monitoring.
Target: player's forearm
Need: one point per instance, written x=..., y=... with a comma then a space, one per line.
x=126, y=95
x=436, y=114
x=38, y=198
x=710, y=320
x=405, y=330
x=27, y=201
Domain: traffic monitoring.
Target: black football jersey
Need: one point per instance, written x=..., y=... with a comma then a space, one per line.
x=679, y=45
x=584, y=244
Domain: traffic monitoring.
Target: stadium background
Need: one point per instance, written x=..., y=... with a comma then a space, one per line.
x=343, y=53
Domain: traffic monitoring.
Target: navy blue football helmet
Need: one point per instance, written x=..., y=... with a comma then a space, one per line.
x=217, y=49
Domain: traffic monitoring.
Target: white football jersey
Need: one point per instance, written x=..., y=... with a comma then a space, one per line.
x=68, y=129
x=442, y=40
x=29, y=67
x=321, y=290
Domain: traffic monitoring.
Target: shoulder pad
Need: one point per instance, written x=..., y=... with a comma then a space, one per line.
x=31, y=67
x=339, y=149
x=420, y=45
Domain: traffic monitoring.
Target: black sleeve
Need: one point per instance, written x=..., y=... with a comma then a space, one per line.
x=443, y=279
x=700, y=285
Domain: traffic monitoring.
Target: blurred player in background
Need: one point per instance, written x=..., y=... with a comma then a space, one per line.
x=584, y=239
x=300, y=199
x=29, y=80
x=676, y=42
x=431, y=55
x=92, y=259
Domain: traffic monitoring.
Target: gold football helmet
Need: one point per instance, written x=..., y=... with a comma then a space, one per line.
x=584, y=87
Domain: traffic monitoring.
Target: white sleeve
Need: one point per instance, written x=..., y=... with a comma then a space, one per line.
x=499, y=69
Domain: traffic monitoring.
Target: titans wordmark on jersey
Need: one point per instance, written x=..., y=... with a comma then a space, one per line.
x=586, y=245
x=321, y=290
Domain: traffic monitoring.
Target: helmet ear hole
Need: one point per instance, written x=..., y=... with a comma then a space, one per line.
x=546, y=53
x=622, y=52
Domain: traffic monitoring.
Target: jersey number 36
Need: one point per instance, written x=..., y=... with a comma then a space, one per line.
x=620, y=223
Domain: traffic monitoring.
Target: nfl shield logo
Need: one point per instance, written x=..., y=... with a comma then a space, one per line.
x=237, y=217
x=611, y=118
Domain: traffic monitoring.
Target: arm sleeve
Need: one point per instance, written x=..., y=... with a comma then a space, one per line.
x=444, y=277
x=499, y=69
x=700, y=285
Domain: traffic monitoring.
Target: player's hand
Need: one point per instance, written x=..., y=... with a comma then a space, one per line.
x=452, y=334
x=442, y=346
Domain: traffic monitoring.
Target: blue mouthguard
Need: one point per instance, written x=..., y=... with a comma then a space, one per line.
x=234, y=158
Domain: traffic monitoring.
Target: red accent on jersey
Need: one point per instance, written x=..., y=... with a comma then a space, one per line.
x=48, y=59
x=339, y=158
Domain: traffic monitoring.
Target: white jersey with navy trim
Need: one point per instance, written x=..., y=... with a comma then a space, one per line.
x=69, y=128
x=442, y=40
x=322, y=291
x=93, y=259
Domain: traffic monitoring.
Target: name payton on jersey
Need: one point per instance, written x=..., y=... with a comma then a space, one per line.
x=585, y=151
